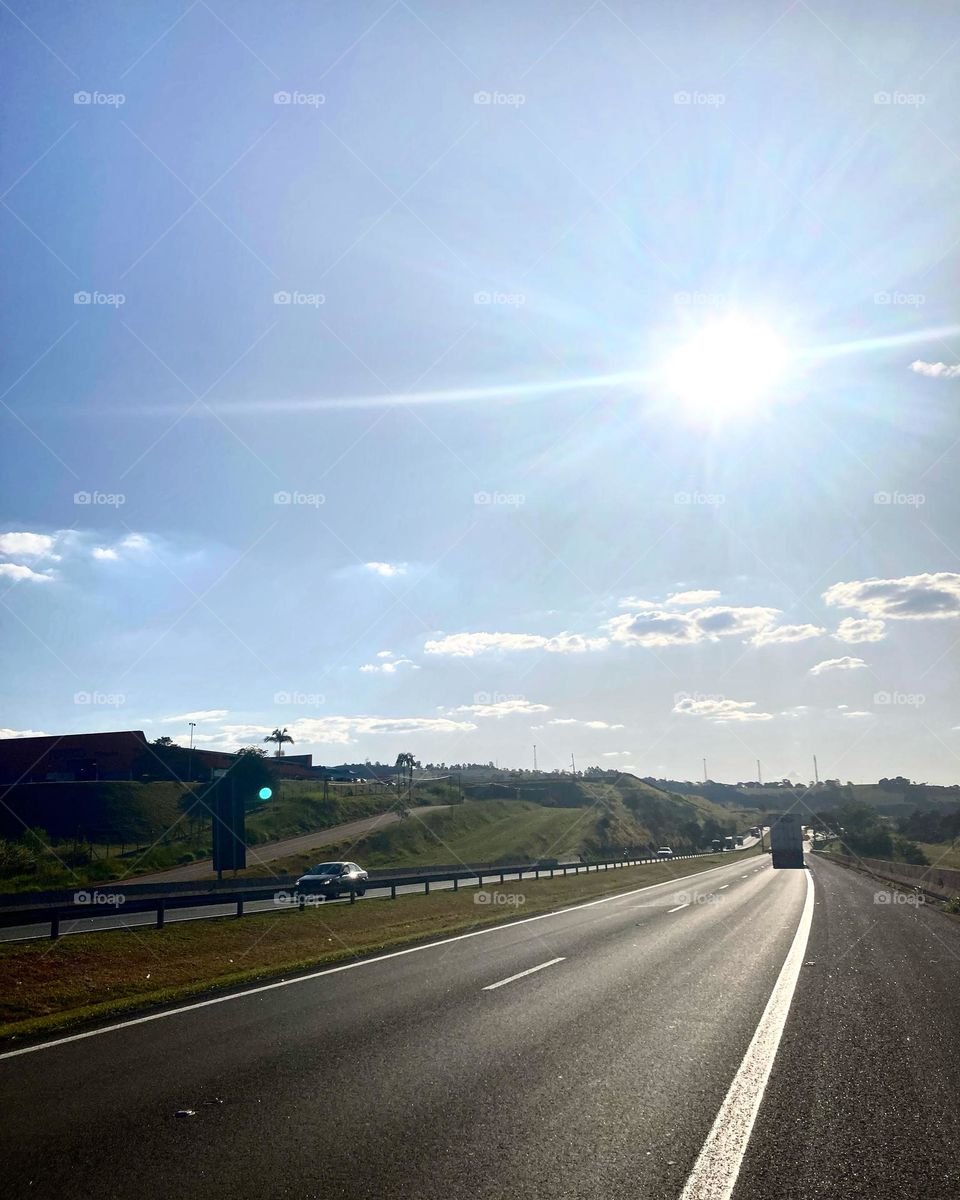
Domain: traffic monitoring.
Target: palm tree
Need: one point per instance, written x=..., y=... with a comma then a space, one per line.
x=279, y=736
x=406, y=762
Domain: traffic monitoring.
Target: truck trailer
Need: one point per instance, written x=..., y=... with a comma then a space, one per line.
x=786, y=841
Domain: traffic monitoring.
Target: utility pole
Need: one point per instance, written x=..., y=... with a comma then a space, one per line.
x=816, y=773
x=193, y=726
x=534, y=758
x=704, y=770
x=573, y=765
x=759, y=776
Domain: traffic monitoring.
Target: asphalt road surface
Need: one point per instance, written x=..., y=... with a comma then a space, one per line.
x=585, y=1053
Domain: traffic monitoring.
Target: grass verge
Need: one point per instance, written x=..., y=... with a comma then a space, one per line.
x=78, y=980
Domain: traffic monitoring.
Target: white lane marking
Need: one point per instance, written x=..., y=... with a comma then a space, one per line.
x=677, y=909
x=722, y=886
x=744, y=876
x=520, y=974
x=362, y=962
x=714, y=1175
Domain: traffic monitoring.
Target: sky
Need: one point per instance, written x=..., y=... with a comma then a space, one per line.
x=457, y=378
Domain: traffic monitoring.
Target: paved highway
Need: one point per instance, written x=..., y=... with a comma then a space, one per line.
x=116, y=918
x=585, y=1053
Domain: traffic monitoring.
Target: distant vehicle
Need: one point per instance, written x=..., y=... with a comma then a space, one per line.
x=330, y=879
x=755, y=831
x=786, y=842
x=739, y=839
x=728, y=842
x=664, y=852
x=717, y=845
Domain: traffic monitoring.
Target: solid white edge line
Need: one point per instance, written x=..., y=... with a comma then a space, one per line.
x=677, y=909
x=714, y=1175
x=361, y=962
x=491, y=987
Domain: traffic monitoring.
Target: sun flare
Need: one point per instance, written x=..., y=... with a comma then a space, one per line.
x=727, y=369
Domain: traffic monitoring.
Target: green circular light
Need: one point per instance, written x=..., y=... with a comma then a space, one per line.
x=266, y=793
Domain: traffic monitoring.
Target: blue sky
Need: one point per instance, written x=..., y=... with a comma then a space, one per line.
x=456, y=378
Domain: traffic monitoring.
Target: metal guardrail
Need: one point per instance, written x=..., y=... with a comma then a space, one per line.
x=942, y=882
x=29, y=909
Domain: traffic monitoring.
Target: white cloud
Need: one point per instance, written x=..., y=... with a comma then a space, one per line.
x=910, y=598
x=838, y=664
x=19, y=572
x=136, y=541
x=384, y=654
x=104, y=553
x=782, y=634
x=860, y=629
x=26, y=545
x=659, y=627
x=935, y=370
x=22, y=733
x=721, y=710
x=389, y=667
x=615, y=754
x=701, y=597
x=334, y=731
x=503, y=708
x=856, y=713
x=466, y=645
x=206, y=714
x=386, y=570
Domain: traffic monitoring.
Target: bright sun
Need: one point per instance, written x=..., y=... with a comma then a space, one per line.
x=726, y=369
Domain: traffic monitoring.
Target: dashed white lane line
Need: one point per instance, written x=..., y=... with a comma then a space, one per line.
x=722, y=886
x=714, y=1175
x=677, y=909
x=520, y=974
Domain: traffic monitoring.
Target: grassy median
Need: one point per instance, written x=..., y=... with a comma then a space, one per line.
x=81, y=979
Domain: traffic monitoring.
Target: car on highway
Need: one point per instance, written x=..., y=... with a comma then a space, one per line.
x=664, y=852
x=332, y=879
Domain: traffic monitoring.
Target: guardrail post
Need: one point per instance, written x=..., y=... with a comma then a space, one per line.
x=456, y=884
x=501, y=877
x=536, y=872
x=161, y=913
x=239, y=906
x=426, y=887
x=55, y=925
x=479, y=881
x=393, y=891
x=353, y=895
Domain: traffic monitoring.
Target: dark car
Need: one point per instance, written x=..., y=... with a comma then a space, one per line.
x=331, y=879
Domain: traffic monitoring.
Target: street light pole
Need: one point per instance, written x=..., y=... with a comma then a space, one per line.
x=193, y=726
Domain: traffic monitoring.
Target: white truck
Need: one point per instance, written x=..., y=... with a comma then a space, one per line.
x=786, y=841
